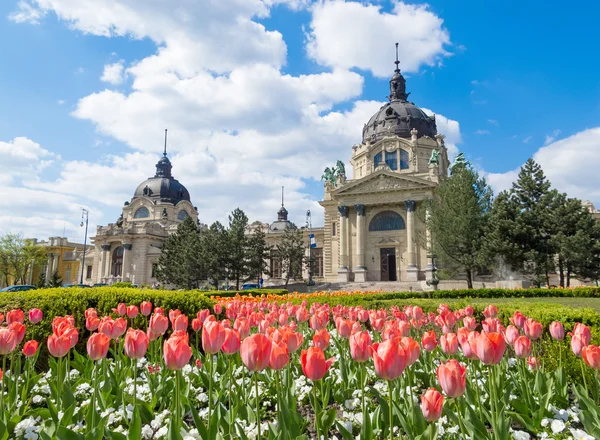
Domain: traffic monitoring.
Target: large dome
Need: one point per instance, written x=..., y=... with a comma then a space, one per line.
x=399, y=116
x=163, y=186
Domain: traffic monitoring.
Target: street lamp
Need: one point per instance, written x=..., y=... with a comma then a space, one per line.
x=310, y=281
x=84, y=215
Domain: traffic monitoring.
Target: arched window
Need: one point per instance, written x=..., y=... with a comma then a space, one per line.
x=376, y=160
x=117, y=262
x=387, y=221
x=142, y=213
x=392, y=159
x=182, y=215
x=403, y=159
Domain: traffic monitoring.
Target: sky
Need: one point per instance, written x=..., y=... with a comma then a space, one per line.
x=259, y=94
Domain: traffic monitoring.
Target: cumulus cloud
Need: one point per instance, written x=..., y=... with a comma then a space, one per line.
x=349, y=34
x=481, y=132
x=22, y=157
x=113, y=73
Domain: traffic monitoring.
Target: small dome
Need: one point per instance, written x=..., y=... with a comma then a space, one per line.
x=163, y=186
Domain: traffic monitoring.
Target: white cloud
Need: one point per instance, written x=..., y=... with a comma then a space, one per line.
x=527, y=139
x=347, y=34
x=61, y=101
x=481, y=132
x=449, y=128
x=551, y=137
x=22, y=157
x=493, y=121
x=26, y=13
x=113, y=73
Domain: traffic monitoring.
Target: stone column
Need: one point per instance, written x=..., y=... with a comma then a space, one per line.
x=106, y=261
x=54, y=263
x=49, y=268
x=430, y=269
x=412, y=272
x=360, y=273
x=126, y=254
x=343, y=271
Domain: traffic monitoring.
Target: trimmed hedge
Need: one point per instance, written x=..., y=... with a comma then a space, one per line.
x=249, y=292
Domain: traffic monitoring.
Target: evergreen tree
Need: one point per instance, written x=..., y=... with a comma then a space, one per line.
x=180, y=261
x=290, y=250
x=258, y=253
x=55, y=280
x=41, y=283
x=237, y=247
x=457, y=219
x=215, y=246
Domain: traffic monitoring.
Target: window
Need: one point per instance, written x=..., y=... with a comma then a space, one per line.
x=88, y=273
x=317, y=268
x=403, y=159
x=334, y=229
x=142, y=213
x=392, y=159
x=387, y=221
x=275, y=265
x=182, y=215
x=117, y=262
x=376, y=160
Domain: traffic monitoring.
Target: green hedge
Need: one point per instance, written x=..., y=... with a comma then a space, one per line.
x=249, y=292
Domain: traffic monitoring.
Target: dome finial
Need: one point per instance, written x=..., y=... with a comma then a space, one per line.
x=397, y=62
x=397, y=83
x=282, y=214
x=282, y=196
x=165, y=152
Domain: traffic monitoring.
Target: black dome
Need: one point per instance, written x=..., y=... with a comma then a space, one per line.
x=163, y=186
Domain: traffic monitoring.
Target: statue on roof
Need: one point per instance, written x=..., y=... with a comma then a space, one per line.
x=329, y=175
x=435, y=158
x=460, y=161
x=340, y=168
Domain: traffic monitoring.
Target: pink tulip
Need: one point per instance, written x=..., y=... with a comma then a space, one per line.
x=449, y=343
x=557, y=331
x=314, y=365
x=533, y=363
x=522, y=347
x=583, y=331
x=389, y=359
x=279, y=357
x=321, y=339
x=35, y=316
x=490, y=347
x=132, y=311
x=59, y=346
x=359, y=346
x=16, y=315
x=213, y=336
x=159, y=323
x=518, y=319
x=411, y=349
x=146, y=308
x=218, y=308
x=136, y=344
x=180, y=323
x=533, y=329
x=97, y=346
x=591, y=355
x=428, y=341
x=470, y=323
x=8, y=341
x=452, y=377
x=432, y=404
x=119, y=328
x=92, y=323
x=577, y=344
x=256, y=352
x=121, y=309
x=196, y=325
x=177, y=352
x=490, y=311
x=231, y=343
x=19, y=329
x=510, y=334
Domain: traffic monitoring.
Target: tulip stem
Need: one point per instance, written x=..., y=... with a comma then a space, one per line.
x=210, y=381
x=2, y=390
x=134, y=367
x=230, y=397
x=583, y=377
x=95, y=382
x=257, y=406
x=460, y=421
x=390, y=388
x=362, y=384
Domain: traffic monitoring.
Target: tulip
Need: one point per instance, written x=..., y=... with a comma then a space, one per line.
x=321, y=339
x=132, y=311
x=1, y=318
x=490, y=347
x=469, y=310
x=510, y=334
x=302, y=315
x=411, y=349
x=470, y=323
x=218, y=308
x=159, y=311
x=231, y=343
x=389, y=359
x=256, y=351
x=35, y=316
x=344, y=327
x=177, y=352
x=196, y=325
x=180, y=323
x=294, y=340
x=106, y=325
x=242, y=325
x=359, y=346
x=533, y=329
x=490, y=311
x=428, y=341
x=59, y=346
x=136, y=344
x=97, y=346
x=522, y=347
x=146, y=308
x=19, y=330
x=30, y=348
x=119, y=328
x=198, y=363
x=89, y=312
x=591, y=355
x=432, y=403
x=518, y=319
x=121, y=309
x=279, y=357
x=158, y=323
x=314, y=365
x=92, y=323
x=583, y=332
x=469, y=345
x=557, y=331
x=213, y=336
x=452, y=377
x=533, y=363
x=490, y=325
x=449, y=343
x=577, y=344
x=16, y=315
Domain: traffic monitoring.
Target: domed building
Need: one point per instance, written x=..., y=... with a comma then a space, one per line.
x=128, y=250
x=370, y=231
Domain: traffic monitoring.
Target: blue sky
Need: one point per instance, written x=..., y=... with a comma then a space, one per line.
x=516, y=79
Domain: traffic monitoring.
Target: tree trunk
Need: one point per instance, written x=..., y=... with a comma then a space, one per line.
x=561, y=271
x=237, y=282
x=568, y=276
x=469, y=279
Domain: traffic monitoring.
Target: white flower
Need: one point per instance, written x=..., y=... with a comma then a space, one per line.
x=579, y=434
x=557, y=426
x=521, y=435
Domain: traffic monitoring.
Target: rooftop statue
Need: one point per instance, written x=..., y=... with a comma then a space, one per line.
x=329, y=175
x=332, y=174
x=340, y=168
x=435, y=158
x=460, y=161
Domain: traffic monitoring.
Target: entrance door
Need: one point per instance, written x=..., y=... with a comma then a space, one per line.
x=388, y=264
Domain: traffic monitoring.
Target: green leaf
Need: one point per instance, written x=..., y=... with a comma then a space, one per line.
x=66, y=434
x=135, y=428
x=346, y=435
x=327, y=418
x=3, y=431
x=114, y=435
x=200, y=426
x=173, y=433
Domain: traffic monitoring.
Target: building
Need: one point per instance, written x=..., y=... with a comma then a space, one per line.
x=128, y=250
x=370, y=231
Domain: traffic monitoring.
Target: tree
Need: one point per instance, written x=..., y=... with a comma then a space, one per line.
x=41, y=283
x=258, y=253
x=55, y=280
x=18, y=256
x=457, y=218
x=237, y=249
x=214, y=250
x=290, y=250
x=180, y=261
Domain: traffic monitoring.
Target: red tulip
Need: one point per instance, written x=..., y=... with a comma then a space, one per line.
x=359, y=346
x=35, y=316
x=196, y=325
x=121, y=309
x=180, y=323
x=158, y=324
x=30, y=348
x=198, y=363
x=177, y=352
x=533, y=329
x=449, y=343
x=452, y=377
x=146, y=308
x=490, y=311
x=490, y=347
x=344, y=327
x=557, y=331
x=132, y=311
x=294, y=340
x=591, y=355
x=470, y=323
x=136, y=344
x=16, y=315
x=321, y=339
x=92, y=323
x=256, y=352
x=314, y=364
x=19, y=329
x=218, y=308
x=279, y=357
x=59, y=346
x=389, y=359
x=213, y=336
x=411, y=349
x=231, y=343
x=119, y=328
x=428, y=341
x=1, y=318
x=522, y=346
x=432, y=404
x=97, y=346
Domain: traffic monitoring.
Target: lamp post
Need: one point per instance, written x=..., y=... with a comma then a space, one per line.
x=84, y=214
x=310, y=281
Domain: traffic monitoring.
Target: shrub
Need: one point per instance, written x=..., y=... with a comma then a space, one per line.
x=250, y=292
x=122, y=284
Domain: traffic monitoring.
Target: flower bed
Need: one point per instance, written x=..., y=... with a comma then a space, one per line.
x=263, y=369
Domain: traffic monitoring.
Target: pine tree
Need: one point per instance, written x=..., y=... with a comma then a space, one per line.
x=457, y=219
x=55, y=280
x=214, y=250
x=290, y=250
x=41, y=283
x=257, y=255
x=237, y=247
x=180, y=261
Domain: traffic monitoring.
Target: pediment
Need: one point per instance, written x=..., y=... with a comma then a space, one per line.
x=383, y=181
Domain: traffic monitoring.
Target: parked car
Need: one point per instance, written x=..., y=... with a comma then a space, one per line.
x=249, y=286
x=77, y=285
x=100, y=285
x=18, y=288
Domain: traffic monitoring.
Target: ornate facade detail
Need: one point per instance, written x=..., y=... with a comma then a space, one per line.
x=127, y=246
x=360, y=210
x=343, y=210
x=105, y=247
x=410, y=205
